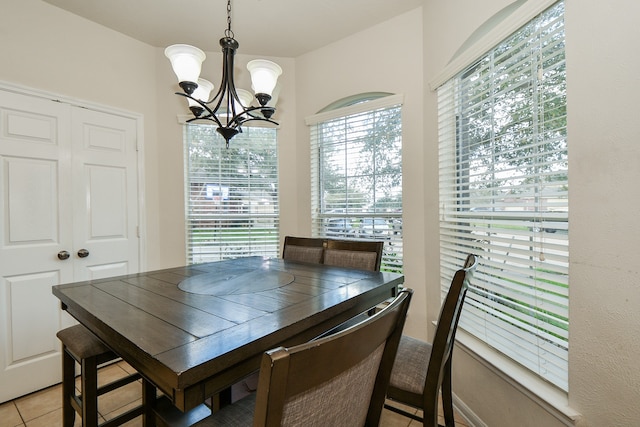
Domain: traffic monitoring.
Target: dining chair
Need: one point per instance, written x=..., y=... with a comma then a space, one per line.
x=80, y=346
x=303, y=249
x=337, y=381
x=361, y=254
x=422, y=370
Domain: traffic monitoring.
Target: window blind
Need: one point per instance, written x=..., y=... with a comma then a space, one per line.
x=504, y=194
x=356, y=175
x=231, y=194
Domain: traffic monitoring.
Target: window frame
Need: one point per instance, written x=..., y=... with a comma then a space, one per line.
x=241, y=201
x=357, y=220
x=453, y=217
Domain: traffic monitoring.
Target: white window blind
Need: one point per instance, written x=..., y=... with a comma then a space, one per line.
x=356, y=175
x=504, y=194
x=232, y=194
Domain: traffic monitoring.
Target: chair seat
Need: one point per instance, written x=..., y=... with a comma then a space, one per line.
x=410, y=368
x=82, y=343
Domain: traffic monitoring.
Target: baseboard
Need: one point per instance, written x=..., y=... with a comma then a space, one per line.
x=465, y=412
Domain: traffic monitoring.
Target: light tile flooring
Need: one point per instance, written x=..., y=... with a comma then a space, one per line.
x=44, y=408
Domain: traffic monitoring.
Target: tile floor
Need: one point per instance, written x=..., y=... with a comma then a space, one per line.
x=44, y=408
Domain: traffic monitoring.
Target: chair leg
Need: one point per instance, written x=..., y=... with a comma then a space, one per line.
x=68, y=389
x=148, y=402
x=430, y=415
x=89, y=392
x=447, y=399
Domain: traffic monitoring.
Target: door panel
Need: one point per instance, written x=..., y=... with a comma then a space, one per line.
x=33, y=219
x=35, y=224
x=68, y=181
x=105, y=219
x=107, y=192
x=34, y=315
x=96, y=272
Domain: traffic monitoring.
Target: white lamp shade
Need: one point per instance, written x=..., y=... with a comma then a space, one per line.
x=245, y=99
x=186, y=61
x=264, y=75
x=274, y=96
x=202, y=92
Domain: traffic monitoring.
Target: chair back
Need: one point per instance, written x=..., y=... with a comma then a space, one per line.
x=303, y=249
x=340, y=380
x=447, y=325
x=361, y=254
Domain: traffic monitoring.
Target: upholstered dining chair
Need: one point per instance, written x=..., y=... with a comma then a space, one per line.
x=303, y=249
x=361, y=254
x=337, y=381
x=421, y=370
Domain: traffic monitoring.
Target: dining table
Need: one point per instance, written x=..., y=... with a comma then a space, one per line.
x=193, y=331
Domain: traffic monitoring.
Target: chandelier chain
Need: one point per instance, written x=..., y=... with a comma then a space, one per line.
x=228, y=32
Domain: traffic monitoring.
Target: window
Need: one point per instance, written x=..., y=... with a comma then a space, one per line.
x=504, y=194
x=232, y=194
x=356, y=168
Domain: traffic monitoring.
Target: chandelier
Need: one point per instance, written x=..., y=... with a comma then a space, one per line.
x=230, y=108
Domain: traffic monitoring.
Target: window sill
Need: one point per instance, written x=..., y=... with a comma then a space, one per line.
x=547, y=396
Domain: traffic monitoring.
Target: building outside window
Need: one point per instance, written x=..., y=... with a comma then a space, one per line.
x=231, y=194
x=356, y=171
x=504, y=195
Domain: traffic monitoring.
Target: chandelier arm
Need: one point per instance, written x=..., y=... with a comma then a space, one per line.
x=254, y=118
x=247, y=115
x=211, y=115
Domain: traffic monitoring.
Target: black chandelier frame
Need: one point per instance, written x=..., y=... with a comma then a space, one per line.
x=227, y=92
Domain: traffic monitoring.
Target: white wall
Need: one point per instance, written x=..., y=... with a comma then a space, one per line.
x=604, y=171
x=603, y=132
x=384, y=58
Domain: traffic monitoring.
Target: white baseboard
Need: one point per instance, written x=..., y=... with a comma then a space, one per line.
x=465, y=412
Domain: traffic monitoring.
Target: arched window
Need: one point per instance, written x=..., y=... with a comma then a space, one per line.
x=356, y=172
x=504, y=194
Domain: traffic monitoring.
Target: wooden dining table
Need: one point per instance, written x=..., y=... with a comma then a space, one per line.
x=193, y=331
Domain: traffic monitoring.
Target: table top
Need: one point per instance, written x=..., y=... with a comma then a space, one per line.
x=193, y=331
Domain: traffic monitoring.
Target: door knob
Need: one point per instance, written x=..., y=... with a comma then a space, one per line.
x=62, y=255
x=83, y=253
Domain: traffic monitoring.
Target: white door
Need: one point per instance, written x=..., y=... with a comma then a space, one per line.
x=105, y=220
x=68, y=181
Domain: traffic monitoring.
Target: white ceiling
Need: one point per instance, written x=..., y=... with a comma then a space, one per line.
x=284, y=28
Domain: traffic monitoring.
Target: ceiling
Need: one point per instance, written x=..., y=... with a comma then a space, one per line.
x=281, y=28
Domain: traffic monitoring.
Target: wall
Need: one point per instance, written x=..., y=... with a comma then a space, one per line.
x=48, y=49
x=603, y=129
x=384, y=58
x=604, y=152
